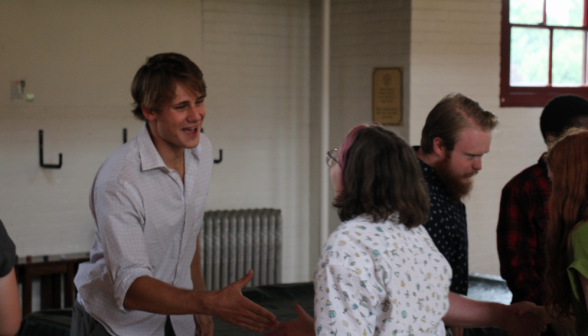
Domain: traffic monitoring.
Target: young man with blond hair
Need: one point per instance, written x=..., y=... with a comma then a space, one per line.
x=148, y=199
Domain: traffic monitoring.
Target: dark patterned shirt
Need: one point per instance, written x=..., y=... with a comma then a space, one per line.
x=447, y=227
x=520, y=232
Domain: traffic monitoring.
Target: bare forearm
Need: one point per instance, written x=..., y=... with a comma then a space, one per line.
x=465, y=312
x=196, y=269
x=198, y=282
x=10, y=313
x=204, y=324
x=155, y=296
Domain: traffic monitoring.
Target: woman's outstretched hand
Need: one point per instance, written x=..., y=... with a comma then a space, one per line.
x=302, y=326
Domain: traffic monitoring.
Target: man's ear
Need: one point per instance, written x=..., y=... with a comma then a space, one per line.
x=148, y=113
x=439, y=147
x=550, y=140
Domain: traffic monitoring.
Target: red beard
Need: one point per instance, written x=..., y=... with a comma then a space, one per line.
x=454, y=184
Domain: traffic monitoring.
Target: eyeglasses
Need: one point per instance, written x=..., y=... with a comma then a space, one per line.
x=332, y=157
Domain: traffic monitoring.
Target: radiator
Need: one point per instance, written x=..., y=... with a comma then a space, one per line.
x=235, y=241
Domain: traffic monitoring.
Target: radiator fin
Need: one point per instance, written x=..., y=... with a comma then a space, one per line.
x=235, y=241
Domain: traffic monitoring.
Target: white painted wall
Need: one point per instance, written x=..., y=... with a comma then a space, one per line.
x=78, y=58
x=256, y=63
x=366, y=34
x=455, y=47
x=316, y=154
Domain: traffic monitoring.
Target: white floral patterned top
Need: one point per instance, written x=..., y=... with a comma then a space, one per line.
x=380, y=278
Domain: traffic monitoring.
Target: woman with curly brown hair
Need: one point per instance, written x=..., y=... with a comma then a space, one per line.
x=380, y=272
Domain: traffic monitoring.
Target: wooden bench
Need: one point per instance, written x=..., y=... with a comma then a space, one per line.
x=50, y=269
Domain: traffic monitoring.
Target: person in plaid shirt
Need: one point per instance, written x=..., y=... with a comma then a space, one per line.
x=524, y=211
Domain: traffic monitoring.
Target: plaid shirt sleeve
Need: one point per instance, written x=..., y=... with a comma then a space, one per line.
x=522, y=219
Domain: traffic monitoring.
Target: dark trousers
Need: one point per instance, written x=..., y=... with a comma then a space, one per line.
x=83, y=324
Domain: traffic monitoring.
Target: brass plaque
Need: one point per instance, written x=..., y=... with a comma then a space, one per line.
x=387, y=96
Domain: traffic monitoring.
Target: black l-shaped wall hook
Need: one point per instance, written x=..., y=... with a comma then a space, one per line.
x=220, y=152
x=220, y=157
x=48, y=166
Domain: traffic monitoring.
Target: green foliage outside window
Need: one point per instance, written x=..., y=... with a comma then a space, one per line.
x=530, y=46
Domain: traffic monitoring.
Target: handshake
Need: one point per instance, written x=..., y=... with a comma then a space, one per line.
x=532, y=318
x=518, y=319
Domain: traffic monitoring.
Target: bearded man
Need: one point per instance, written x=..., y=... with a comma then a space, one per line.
x=457, y=133
x=144, y=276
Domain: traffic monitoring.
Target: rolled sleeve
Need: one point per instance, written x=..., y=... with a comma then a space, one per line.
x=120, y=227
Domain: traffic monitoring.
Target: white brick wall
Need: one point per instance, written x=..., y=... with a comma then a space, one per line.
x=365, y=34
x=256, y=63
x=455, y=47
x=78, y=58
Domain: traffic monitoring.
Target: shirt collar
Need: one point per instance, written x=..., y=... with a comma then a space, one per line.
x=428, y=171
x=191, y=158
x=150, y=158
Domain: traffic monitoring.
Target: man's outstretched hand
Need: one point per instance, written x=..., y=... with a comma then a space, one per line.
x=231, y=306
x=302, y=326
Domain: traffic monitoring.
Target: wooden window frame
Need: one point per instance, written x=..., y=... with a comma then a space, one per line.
x=520, y=96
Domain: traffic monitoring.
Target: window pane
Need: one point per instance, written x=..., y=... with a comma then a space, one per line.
x=526, y=11
x=567, y=57
x=529, y=56
x=565, y=13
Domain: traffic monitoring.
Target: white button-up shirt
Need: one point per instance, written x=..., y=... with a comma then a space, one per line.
x=380, y=279
x=147, y=222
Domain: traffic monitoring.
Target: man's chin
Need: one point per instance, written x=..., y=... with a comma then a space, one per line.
x=191, y=142
x=458, y=187
x=467, y=180
x=467, y=189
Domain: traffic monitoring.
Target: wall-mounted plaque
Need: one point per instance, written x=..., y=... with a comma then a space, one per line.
x=387, y=96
